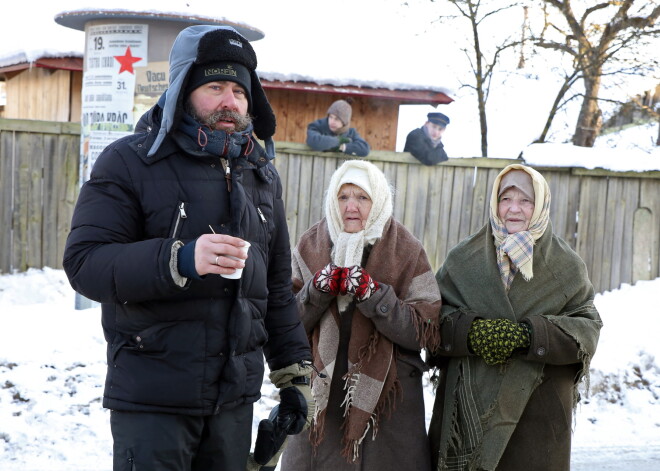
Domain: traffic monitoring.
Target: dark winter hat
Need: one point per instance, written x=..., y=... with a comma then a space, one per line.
x=342, y=110
x=222, y=46
x=438, y=118
x=219, y=72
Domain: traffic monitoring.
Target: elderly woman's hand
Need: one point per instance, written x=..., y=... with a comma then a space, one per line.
x=495, y=339
x=359, y=284
x=329, y=279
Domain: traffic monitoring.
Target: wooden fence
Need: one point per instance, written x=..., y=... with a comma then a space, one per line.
x=38, y=189
x=612, y=219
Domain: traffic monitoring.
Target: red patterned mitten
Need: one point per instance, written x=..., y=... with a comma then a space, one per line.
x=329, y=279
x=359, y=283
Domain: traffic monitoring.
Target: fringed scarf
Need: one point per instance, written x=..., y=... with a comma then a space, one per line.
x=397, y=259
x=515, y=252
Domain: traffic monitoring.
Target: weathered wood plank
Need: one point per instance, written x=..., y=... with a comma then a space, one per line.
x=623, y=272
x=305, y=195
x=597, y=206
x=612, y=226
x=52, y=163
x=444, y=221
x=67, y=189
x=6, y=196
x=649, y=197
x=642, y=247
x=480, y=199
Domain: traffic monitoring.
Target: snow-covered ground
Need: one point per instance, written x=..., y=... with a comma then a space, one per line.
x=52, y=369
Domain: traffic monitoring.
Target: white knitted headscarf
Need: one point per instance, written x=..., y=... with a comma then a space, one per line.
x=347, y=248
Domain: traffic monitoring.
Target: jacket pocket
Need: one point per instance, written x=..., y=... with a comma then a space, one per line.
x=162, y=365
x=180, y=215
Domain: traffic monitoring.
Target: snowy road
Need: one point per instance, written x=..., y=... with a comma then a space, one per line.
x=616, y=458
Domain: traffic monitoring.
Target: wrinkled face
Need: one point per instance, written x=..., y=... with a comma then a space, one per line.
x=334, y=123
x=515, y=209
x=221, y=105
x=354, y=207
x=435, y=130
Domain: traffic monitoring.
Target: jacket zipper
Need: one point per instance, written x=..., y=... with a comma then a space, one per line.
x=261, y=215
x=182, y=215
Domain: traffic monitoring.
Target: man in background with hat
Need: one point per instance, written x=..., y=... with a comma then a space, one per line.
x=425, y=143
x=157, y=234
x=333, y=133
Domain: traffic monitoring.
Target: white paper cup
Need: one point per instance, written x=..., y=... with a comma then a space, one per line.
x=239, y=271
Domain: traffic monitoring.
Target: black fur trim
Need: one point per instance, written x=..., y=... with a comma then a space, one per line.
x=264, y=118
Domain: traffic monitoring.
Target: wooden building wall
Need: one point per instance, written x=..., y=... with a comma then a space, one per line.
x=44, y=94
x=374, y=118
x=56, y=95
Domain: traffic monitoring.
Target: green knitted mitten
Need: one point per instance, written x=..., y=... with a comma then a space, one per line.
x=495, y=339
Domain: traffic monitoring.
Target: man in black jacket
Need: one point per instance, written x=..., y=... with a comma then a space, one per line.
x=425, y=143
x=157, y=234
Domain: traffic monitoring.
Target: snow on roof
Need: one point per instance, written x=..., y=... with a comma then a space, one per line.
x=278, y=59
x=76, y=19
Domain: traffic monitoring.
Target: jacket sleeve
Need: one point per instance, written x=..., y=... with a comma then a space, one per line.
x=287, y=341
x=357, y=146
x=312, y=303
x=420, y=147
x=409, y=319
x=105, y=257
x=319, y=140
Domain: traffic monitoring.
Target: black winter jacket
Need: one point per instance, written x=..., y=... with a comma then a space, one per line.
x=421, y=147
x=198, y=348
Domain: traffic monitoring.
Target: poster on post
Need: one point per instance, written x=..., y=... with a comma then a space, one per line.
x=113, y=55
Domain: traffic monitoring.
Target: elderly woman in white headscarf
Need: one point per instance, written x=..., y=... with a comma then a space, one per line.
x=369, y=302
x=519, y=329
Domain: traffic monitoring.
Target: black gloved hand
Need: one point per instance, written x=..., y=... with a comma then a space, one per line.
x=495, y=339
x=292, y=413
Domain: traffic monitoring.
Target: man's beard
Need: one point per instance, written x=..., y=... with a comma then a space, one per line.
x=241, y=122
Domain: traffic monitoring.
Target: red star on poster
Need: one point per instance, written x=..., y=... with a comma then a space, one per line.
x=127, y=61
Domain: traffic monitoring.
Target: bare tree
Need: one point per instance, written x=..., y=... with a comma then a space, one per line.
x=594, y=45
x=483, y=63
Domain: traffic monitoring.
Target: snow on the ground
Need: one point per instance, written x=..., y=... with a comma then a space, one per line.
x=52, y=369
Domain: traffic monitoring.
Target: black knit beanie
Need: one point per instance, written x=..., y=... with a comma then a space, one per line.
x=219, y=72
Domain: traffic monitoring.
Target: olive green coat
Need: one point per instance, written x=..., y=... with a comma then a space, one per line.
x=522, y=410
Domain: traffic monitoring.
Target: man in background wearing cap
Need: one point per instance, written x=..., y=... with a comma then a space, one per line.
x=333, y=133
x=165, y=216
x=425, y=143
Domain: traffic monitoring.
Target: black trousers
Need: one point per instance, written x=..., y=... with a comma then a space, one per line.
x=145, y=441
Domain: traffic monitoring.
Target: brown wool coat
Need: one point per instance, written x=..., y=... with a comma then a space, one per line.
x=401, y=442
x=526, y=406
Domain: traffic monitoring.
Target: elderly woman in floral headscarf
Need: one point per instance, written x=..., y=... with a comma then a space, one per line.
x=519, y=329
x=369, y=301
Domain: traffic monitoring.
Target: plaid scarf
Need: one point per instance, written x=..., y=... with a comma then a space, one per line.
x=515, y=252
x=371, y=384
